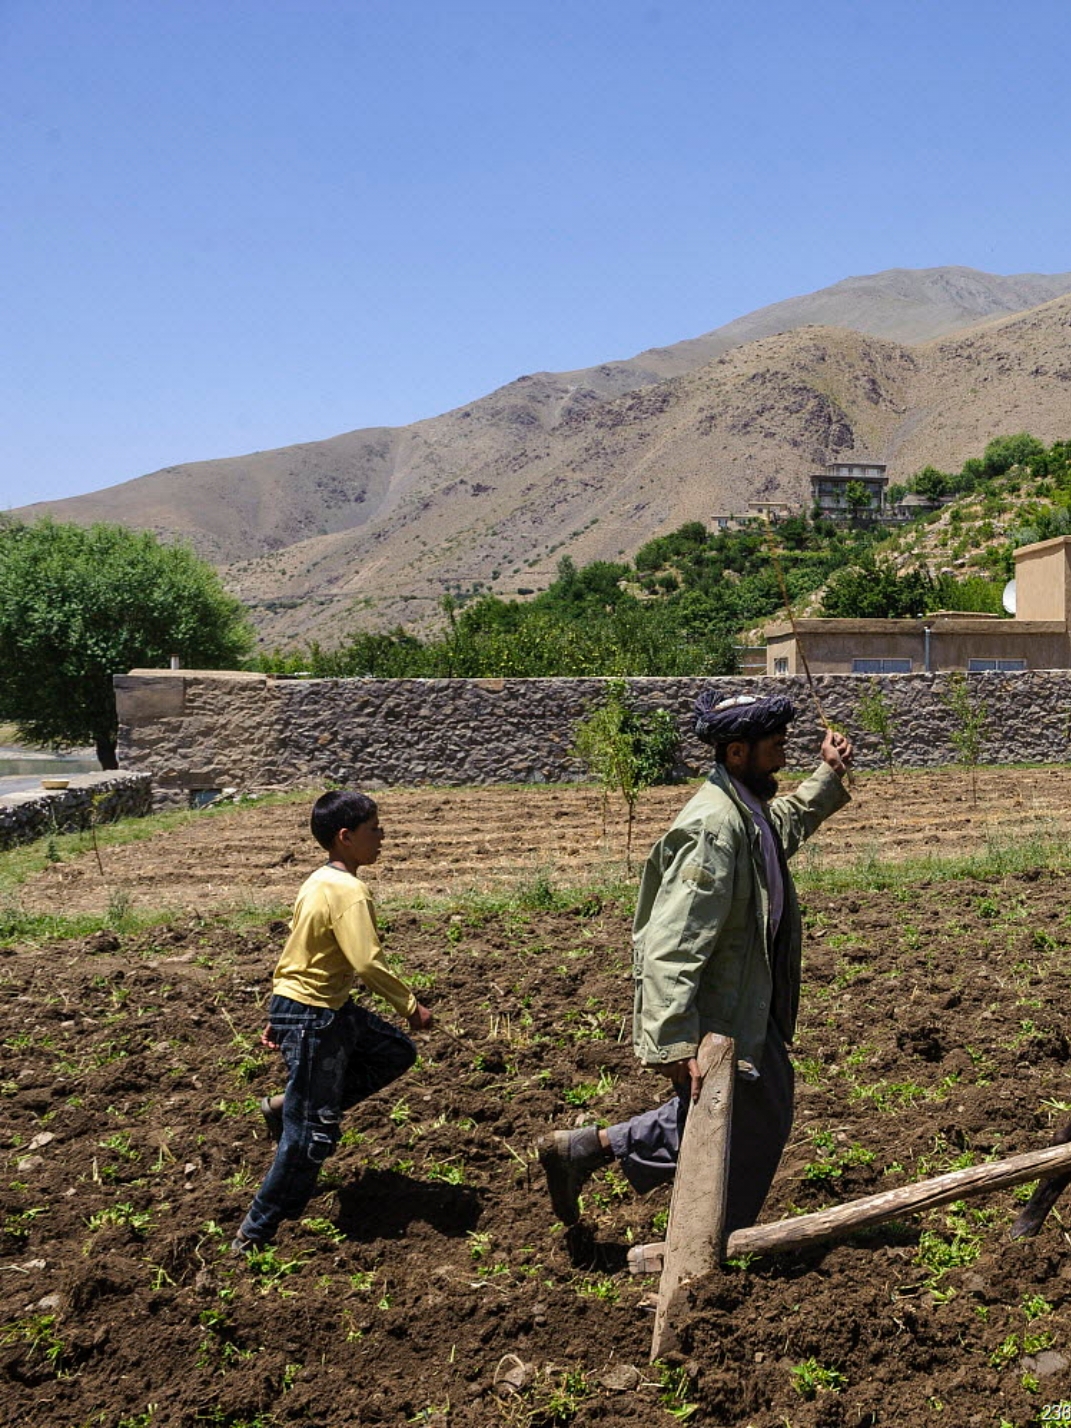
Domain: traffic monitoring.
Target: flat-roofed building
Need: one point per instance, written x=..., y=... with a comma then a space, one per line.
x=832, y=487
x=1037, y=637
x=772, y=511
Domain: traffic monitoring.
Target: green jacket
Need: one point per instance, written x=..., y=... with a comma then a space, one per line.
x=701, y=959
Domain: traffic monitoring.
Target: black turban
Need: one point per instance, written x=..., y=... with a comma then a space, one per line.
x=742, y=716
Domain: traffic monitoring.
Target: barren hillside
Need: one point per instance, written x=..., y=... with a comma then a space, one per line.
x=610, y=475
x=496, y=492
x=903, y=304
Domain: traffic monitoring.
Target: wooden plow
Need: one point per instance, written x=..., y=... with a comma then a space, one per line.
x=695, y=1241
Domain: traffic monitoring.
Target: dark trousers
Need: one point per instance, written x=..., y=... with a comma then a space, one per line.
x=647, y=1146
x=334, y=1060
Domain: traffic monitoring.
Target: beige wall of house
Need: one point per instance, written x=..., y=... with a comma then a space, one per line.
x=1043, y=580
x=1038, y=635
x=833, y=646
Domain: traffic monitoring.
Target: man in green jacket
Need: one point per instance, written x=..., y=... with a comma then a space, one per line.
x=717, y=940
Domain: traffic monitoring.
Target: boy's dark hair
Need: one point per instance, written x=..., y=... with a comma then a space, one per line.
x=340, y=808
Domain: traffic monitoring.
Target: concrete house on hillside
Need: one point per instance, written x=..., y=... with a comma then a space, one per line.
x=829, y=487
x=757, y=512
x=772, y=511
x=1038, y=637
x=858, y=477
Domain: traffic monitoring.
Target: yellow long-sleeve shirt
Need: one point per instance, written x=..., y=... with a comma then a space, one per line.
x=333, y=941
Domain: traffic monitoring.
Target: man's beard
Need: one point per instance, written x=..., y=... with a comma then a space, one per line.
x=762, y=785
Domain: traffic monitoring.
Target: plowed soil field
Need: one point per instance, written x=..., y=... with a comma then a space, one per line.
x=428, y=1282
x=443, y=841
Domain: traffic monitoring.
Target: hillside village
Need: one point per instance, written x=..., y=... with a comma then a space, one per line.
x=711, y=600
x=661, y=519
x=651, y=517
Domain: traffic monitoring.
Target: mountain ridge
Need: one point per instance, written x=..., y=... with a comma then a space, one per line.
x=551, y=463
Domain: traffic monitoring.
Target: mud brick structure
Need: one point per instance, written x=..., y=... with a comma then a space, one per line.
x=198, y=732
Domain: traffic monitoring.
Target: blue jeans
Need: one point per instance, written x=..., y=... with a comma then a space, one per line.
x=334, y=1060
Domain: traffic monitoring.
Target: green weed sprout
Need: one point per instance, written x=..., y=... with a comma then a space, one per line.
x=810, y=1377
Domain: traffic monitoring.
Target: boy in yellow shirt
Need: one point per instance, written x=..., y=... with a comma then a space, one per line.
x=336, y=1051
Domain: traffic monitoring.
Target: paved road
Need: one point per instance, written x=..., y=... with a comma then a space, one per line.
x=20, y=783
x=21, y=770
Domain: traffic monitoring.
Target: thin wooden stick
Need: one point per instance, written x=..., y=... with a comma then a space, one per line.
x=783, y=584
x=1036, y=1210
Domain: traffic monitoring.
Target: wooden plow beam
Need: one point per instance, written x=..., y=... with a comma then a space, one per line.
x=891, y=1204
x=695, y=1243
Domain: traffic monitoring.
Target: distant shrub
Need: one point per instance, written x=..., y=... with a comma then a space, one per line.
x=625, y=750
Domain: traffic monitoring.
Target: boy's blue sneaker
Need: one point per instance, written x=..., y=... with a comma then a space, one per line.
x=273, y=1119
x=240, y=1245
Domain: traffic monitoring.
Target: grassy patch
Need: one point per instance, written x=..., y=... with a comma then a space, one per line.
x=21, y=928
x=998, y=859
x=525, y=896
x=22, y=862
x=17, y=925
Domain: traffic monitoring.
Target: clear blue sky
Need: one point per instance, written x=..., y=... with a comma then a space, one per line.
x=229, y=225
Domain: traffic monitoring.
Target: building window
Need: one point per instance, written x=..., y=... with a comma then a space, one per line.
x=780, y=666
x=881, y=666
x=995, y=666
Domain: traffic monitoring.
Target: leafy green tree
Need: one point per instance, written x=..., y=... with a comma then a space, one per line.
x=973, y=593
x=653, y=555
x=874, y=590
x=592, y=587
x=931, y=483
x=393, y=654
x=683, y=544
x=971, y=475
x=971, y=724
x=858, y=498
x=875, y=715
x=79, y=605
x=627, y=751
x=793, y=533
x=1056, y=463
x=1004, y=452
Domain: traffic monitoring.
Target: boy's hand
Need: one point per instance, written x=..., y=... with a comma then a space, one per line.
x=266, y=1039
x=421, y=1019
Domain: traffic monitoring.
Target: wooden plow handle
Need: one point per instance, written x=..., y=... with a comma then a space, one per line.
x=1036, y=1210
x=696, y=1228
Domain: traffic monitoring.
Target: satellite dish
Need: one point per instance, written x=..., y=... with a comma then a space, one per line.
x=1007, y=599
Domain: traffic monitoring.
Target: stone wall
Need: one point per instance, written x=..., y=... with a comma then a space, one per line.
x=89, y=797
x=201, y=731
x=197, y=730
